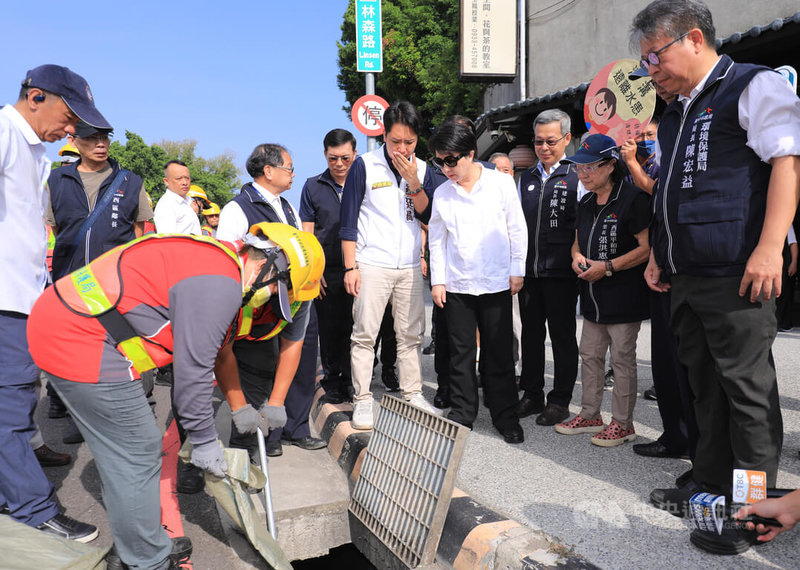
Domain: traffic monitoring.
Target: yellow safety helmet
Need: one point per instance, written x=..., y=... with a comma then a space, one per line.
x=305, y=255
x=68, y=149
x=196, y=192
x=212, y=210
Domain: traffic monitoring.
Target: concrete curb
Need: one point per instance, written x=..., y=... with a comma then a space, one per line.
x=474, y=536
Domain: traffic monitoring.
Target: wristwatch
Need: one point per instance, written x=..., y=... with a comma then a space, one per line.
x=609, y=268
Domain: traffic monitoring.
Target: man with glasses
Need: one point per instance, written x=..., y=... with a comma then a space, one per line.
x=292, y=355
x=727, y=192
x=174, y=213
x=95, y=205
x=549, y=195
x=320, y=205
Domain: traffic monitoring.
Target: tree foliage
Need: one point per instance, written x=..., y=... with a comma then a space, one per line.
x=217, y=175
x=420, y=60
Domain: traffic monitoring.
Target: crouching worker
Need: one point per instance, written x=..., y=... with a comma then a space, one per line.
x=131, y=310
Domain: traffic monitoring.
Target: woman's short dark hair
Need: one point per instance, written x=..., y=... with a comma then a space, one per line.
x=453, y=137
x=338, y=137
x=404, y=113
x=268, y=154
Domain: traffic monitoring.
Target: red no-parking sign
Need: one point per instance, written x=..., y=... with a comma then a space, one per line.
x=367, y=114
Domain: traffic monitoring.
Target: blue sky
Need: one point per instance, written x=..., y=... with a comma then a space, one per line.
x=230, y=75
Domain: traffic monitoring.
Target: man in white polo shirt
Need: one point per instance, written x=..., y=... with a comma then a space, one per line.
x=174, y=213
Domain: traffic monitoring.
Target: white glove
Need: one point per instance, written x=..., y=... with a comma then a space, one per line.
x=209, y=457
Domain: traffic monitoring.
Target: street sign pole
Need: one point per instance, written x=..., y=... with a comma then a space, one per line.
x=370, y=81
x=369, y=47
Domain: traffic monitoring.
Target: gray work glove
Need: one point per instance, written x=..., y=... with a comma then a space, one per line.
x=275, y=416
x=248, y=420
x=209, y=457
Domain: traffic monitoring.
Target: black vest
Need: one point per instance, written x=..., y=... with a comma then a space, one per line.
x=712, y=191
x=550, y=213
x=113, y=227
x=256, y=209
x=623, y=297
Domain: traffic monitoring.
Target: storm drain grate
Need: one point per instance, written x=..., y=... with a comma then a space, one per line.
x=405, y=483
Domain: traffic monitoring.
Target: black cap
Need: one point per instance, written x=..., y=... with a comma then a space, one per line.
x=595, y=148
x=72, y=88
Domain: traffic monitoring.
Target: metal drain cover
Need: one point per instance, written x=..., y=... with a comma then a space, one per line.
x=403, y=490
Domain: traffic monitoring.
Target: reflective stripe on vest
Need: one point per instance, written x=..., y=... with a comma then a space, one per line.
x=82, y=293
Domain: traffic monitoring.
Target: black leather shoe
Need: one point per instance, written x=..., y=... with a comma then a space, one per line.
x=274, y=449
x=528, y=406
x=513, y=434
x=442, y=399
x=430, y=349
x=67, y=527
x=657, y=449
x=552, y=414
x=181, y=552
x=650, y=394
x=389, y=379
x=49, y=458
x=675, y=501
x=731, y=541
x=333, y=396
x=308, y=443
x=57, y=409
x=685, y=478
x=190, y=478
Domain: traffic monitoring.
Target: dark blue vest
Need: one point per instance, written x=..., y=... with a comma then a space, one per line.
x=113, y=227
x=623, y=297
x=712, y=191
x=550, y=212
x=255, y=208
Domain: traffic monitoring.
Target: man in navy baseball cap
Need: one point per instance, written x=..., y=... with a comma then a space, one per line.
x=72, y=88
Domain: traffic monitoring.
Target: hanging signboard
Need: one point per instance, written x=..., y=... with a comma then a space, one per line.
x=369, y=41
x=488, y=40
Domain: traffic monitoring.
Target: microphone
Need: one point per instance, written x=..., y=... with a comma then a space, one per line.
x=710, y=512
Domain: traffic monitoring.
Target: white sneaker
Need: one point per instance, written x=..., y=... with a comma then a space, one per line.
x=362, y=415
x=419, y=401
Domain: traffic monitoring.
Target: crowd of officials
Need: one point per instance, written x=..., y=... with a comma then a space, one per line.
x=685, y=225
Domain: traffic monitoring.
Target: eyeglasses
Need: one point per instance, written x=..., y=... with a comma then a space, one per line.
x=449, y=161
x=289, y=169
x=97, y=137
x=652, y=57
x=334, y=159
x=551, y=143
x=583, y=169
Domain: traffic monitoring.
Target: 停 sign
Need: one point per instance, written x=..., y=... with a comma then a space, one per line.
x=367, y=114
x=488, y=48
x=369, y=45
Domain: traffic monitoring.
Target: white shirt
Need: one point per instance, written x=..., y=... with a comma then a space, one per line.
x=24, y=168
x=477, y=239
x=233, y=222
x=769, y=111
x=174, y=215
x=582, y=191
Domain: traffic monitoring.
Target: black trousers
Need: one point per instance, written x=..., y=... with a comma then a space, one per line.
x=725, y=342
x=491, y=314
x=335, y=313
x=783, y=304
x=441, y=357
x=386, y=341
x=549, y=300
x=257, y=362
x=675, y=399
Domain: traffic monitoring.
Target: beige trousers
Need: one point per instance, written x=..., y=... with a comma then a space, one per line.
x=595, y=340
x=403, y=288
